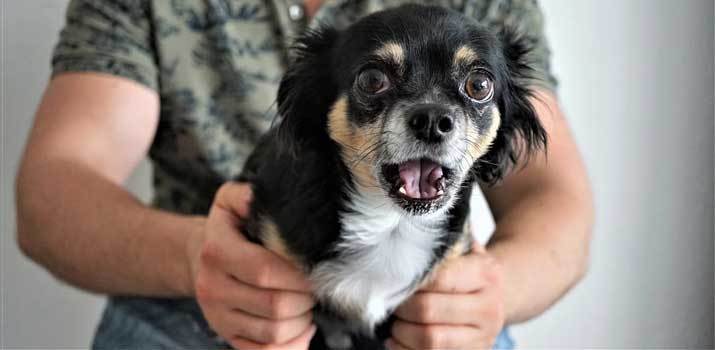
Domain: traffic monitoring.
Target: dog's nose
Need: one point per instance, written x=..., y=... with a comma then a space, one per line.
x=431, y=122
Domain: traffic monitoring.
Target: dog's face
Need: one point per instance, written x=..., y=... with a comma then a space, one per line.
x=416, y=99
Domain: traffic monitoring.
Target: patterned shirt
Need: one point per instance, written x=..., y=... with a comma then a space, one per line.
x=216, y=66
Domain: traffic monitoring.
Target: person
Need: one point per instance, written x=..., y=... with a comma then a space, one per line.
x=192, y=84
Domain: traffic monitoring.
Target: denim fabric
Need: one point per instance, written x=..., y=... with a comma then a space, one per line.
x=504, y=341
x=153, y=324
x=143, y=323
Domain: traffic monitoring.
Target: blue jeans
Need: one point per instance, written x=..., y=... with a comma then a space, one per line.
x=145, y=323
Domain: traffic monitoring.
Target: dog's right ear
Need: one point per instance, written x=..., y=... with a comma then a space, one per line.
x=520, y=133
x=307, y=89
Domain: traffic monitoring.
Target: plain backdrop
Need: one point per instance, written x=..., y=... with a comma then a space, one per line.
x=637, y=84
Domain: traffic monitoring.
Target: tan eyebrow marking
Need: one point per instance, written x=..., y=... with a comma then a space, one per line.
x=464, y=55
x=391, y=51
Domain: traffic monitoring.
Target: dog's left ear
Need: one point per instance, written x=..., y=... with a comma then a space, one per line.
x=307, y=89
x=520, y=133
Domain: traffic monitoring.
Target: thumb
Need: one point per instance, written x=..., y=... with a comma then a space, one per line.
x=234, y=198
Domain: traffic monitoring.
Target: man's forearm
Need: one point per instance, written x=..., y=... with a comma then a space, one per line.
x=542, y=243
x=91, y=233
x=544, y=216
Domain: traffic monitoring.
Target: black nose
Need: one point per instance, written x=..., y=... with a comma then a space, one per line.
x=431, y=122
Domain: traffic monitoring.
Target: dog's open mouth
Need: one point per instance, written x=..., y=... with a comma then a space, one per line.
x=418, y=180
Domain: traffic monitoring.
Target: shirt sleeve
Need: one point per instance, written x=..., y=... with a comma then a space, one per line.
x=108, y=36
x=526, y=18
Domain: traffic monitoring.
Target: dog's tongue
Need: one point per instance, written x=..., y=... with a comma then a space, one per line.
x=421, y=178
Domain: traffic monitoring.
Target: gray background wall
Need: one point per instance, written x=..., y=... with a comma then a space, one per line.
x=637, y=84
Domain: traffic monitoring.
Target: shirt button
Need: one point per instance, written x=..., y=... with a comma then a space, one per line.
x=295, y=12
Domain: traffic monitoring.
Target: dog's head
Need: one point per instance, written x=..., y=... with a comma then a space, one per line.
x=419, y=101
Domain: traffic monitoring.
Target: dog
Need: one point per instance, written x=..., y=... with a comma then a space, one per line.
x=384, y=129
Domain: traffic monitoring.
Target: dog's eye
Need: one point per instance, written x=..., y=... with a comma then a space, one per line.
x=480, y=86
x=373, y=81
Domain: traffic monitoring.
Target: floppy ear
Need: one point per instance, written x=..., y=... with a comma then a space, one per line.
x=520, y=134
x=307, y=89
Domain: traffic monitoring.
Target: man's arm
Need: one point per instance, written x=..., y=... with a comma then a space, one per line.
x=544, y=216
x=74, y=217
x=76, y=220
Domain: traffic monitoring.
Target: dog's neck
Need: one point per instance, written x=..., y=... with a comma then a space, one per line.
x=383, y=256
x=372, y=218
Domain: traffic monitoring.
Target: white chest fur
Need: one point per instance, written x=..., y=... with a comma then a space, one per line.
x=382, y=254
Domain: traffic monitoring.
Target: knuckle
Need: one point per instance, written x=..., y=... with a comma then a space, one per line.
x=203, y=289
x=431, y=337
x=271, y=332
x=223, y=190
x=497, y=267
x=493, y=273
x=448, y=283
x=263, y=275
x=278, y=304
x=211, y=252
x=441, y=281
x=424, y=308
x=492, y=319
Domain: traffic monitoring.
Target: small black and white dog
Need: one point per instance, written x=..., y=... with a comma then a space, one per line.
x=386, y=126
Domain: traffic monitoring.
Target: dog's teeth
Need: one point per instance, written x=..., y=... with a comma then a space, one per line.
x=440, y=192
x=403, y=190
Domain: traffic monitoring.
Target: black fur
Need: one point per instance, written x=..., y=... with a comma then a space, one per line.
x=298, y=177
x=521, y=133
x=295, y=171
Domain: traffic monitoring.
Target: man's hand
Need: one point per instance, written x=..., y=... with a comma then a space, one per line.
x=250, y=296
x=461, y=308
